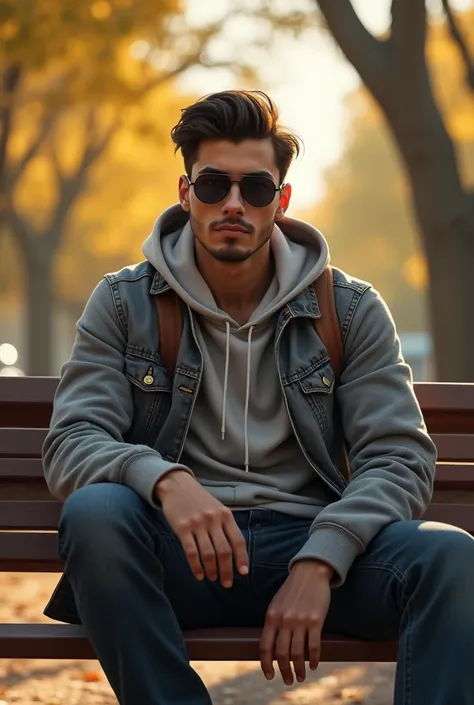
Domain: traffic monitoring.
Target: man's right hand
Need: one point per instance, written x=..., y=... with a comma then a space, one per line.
x=206, y=528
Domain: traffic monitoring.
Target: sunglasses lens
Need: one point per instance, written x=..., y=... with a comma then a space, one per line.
x=211, y=188
x=258, y=191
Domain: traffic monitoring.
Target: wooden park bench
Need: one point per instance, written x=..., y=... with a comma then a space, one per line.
x=29, y=516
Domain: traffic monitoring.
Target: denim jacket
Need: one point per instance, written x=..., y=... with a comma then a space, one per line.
x=118, y=417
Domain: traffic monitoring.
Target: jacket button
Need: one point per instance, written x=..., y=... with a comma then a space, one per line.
x=148, y=379
x=326, y=381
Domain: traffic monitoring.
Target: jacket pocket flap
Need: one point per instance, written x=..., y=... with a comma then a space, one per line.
x=320, y=380
x=145, y=374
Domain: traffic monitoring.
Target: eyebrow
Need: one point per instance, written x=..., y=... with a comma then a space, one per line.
x=213, y=170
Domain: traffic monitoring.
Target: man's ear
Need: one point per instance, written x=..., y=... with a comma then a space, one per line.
x=183, y=192
x=285, y=197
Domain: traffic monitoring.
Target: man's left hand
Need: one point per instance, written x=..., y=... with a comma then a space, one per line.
x=295, y=618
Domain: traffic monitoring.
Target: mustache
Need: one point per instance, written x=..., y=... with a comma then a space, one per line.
x=233, y=221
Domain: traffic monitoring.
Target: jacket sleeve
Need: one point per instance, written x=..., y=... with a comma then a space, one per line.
x=93, y=409
x=392, y=458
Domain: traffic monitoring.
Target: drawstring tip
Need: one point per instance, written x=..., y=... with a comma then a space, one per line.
x=246, y=467
x=223, y=435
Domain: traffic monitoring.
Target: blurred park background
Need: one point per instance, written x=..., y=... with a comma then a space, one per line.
x=382, y=96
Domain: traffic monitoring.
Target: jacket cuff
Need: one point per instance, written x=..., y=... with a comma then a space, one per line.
x=143, y=471
x=333, y=546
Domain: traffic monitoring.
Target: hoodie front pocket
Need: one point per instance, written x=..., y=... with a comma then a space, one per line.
x=151, y=392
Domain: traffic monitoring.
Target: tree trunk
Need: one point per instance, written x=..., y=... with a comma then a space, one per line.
x=445, y=214
x=39, y=316
x=450, y=256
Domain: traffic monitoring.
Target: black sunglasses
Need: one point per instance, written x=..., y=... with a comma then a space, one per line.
x=258, y=191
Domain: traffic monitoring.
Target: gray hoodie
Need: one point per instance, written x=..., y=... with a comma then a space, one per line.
x=240, y=443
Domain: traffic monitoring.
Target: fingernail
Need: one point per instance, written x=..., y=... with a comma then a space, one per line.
x=227, y=583
x=244, y=570
x=268, y=676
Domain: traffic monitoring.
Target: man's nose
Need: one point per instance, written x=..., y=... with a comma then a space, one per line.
x=233, y=202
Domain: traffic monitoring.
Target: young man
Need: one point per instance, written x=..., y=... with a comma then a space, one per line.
x=218, y=497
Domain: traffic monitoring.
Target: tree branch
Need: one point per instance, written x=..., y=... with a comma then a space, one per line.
x=97, y=146
x=71, y=186
x=369, y=56
x=461, y=42
x=32, y=150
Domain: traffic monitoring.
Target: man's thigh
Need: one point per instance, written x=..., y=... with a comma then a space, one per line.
x=368, y=605
x=372, y=601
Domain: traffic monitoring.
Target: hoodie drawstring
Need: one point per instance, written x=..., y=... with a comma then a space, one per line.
x=247, y=397
x=226, y=377
x=247, y=390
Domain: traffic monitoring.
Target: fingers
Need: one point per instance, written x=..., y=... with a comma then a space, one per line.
x=297, y=653
x=238, y=545
x=267, y=647
x=211, y=542
x=314, y=647
x=192, y=554
x=207, y=553
x=224, y=557
x=282, y=655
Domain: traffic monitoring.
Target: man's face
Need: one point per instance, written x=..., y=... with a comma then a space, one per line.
x=250, y=227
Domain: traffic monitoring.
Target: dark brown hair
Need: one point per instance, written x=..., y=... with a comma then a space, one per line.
x=234, y=116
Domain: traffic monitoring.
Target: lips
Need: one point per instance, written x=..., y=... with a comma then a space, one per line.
x=231, y=228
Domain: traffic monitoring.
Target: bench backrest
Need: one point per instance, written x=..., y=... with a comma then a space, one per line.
x=29, y=515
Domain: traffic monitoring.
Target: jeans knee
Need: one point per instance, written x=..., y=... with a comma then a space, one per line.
x=447, y=561
x=93, y=518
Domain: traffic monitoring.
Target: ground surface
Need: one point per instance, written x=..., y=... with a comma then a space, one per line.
x=22, y=598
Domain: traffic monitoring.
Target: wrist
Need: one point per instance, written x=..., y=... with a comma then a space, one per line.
x=167, y=483
x=314, y=565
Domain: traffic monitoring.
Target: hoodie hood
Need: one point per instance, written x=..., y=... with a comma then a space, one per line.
x=300, y=253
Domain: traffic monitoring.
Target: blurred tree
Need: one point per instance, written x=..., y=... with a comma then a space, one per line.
x=73, y=76
x=365, y=211
x=366, y=219
x=396, y=71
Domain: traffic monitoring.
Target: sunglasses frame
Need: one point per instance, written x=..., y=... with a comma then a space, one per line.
x=235, y=181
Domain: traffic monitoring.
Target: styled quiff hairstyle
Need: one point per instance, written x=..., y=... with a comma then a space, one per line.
x=234, y=116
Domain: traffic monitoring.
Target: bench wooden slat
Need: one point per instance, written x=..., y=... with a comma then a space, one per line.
x=27, y=390
x=23, y=549
x=448, y=396
x=21, y=442
x=448, y=475
x=455, y=476
x=68, y=641
x=29, y=552
x=454, y=446
x=29, y=514
x=21, y=469
x=27, y=443
x=44, y=515
x=461, y=515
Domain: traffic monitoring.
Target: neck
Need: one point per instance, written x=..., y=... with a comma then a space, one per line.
x=237, y=287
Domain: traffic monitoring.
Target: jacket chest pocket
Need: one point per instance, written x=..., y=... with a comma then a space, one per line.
x=151, y=393
x=318, y=393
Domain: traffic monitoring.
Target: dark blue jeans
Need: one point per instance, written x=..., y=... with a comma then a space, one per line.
x=135, y=592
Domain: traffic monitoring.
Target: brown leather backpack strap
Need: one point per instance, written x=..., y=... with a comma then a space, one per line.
x=170, y=327
x=327, y=327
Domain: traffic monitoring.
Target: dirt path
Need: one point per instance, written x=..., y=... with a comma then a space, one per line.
x=22, y=598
